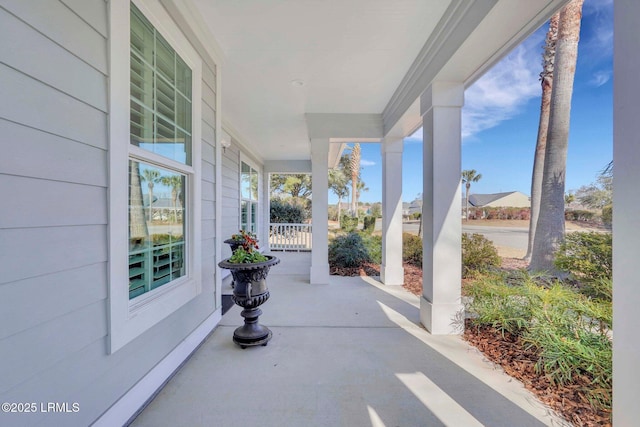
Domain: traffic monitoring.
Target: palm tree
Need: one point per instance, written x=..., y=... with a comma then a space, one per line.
x=338, y=184
x=469, y=176
x=151, y=176
x=175, y=182
x=137, y=225
x=550, y=227
x=362, y=188
x=355, y=172
x=546, y=80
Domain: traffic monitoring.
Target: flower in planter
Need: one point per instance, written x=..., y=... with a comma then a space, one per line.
x=247, y=252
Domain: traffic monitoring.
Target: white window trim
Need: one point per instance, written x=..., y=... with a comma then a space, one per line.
x=129, y=319
x=258, y=169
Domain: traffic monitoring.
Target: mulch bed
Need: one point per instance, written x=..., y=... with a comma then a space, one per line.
x=509, y=352
x=518, y=362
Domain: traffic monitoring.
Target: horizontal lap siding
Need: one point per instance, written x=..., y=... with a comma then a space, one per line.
x=54, y=217
x=230, y=194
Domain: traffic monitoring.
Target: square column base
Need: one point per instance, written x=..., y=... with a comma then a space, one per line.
x=392, y=276
x=442, y=319
x=319, y=274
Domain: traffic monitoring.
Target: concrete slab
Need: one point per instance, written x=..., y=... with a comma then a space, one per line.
x=351, y=353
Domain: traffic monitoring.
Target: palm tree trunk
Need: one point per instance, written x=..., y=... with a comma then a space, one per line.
x=550, y=227
x=546, y=79
x=466, y=208
x=137, y=223
x=339, y=207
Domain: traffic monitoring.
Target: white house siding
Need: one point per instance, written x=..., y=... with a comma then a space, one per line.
x=230, y=194
x=54, y=222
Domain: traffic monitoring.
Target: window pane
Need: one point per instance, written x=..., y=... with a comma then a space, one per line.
x=254, y=184
x=244, y=216
x=142, y=36
x=245, y=181
x=254, y=217
x=156, y=227
x=161, y=82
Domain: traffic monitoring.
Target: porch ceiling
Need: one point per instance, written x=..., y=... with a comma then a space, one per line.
x=287, y=58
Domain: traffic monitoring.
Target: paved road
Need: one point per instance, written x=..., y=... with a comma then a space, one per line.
x=511, y=237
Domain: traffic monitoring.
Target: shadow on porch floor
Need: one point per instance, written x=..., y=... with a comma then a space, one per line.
x=350, y=353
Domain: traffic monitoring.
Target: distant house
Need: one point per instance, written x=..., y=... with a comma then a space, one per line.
x=511, y=199
x=415, y=207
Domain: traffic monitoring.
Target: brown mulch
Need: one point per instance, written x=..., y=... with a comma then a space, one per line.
x=509, y=352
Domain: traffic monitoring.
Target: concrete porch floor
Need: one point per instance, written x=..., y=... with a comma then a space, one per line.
x=351, y=353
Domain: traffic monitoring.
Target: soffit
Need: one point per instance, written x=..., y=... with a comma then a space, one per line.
x=351, y=56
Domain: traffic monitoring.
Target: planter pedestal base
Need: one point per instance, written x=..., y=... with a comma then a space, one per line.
x=251, y=333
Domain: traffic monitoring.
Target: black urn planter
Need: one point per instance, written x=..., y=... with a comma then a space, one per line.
x=233, y=243
x=250, y=292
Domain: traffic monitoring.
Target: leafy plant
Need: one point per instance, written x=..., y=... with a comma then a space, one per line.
x=348, y=251
x=478, y=254
x=247, y=252
x=348, y=223
x=412, y=249
x=587, y=256
x=282, y=212
x=569, y=331
x=369, y=224
x=373, y=245
x=241, y=256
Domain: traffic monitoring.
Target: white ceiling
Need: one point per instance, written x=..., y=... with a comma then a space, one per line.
x=367, y=57
x=350, y=54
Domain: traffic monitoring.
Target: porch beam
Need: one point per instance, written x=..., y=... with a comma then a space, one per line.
x=320, y=211
x=391, y=270
x=441, y=310
x=626, y=222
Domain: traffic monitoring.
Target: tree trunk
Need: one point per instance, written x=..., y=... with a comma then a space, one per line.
x=546, y=79
x=466, y=208
x=339, y=207
x=355, y=171
x=137, y=222
x=550, y=227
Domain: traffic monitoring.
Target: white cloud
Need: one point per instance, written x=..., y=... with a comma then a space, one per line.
x=364, y=163
x=600, y=77
x=501, y=93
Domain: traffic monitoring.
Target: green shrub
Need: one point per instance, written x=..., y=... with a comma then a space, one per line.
x=282, y=212
x=369, y=224
x=373, y=244
x=579, y=215
x=587, y=256
x=412, y=249
x=348, y=223
x=416, y=215
x=478, y=254
x=348, y=251
x=607, y=215
x=569, y=331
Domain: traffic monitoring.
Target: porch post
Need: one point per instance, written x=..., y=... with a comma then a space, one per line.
x=441, y=310
x=320, y=210
x=626, y=214
x=391, y=271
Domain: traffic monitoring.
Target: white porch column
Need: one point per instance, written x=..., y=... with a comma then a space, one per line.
x=391, y=271
x=626, y=219
x=441, y=310
x=320, y=210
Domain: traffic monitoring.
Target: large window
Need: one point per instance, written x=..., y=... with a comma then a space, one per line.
x=249, y=198
x=154, y=169
x=160, y=122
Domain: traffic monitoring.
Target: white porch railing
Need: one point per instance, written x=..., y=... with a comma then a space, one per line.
x=290, y=237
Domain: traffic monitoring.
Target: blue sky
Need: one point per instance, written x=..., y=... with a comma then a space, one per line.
x=501, y=113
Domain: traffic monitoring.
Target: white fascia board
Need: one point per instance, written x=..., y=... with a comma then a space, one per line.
x=458, y=22
x=190, y=21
